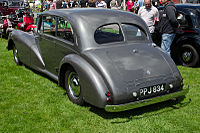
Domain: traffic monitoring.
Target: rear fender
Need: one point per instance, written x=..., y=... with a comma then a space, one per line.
x=92, y=84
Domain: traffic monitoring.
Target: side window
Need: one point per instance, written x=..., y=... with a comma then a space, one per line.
x=49, y=25
x=64, y=30
x=108, y=33
x=134, y=33
x=182, y=19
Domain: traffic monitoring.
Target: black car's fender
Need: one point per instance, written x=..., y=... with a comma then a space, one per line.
x=92, y=84
x=187, y=40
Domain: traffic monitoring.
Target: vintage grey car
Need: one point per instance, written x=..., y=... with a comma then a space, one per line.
x=100, y=56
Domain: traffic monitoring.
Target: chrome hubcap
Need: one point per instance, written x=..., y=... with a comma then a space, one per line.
x=186, y=56
x=15, y=54
x=74, y=85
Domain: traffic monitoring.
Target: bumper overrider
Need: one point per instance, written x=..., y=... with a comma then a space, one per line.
x=141, y=103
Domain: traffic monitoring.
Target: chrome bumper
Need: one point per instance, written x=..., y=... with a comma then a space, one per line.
x=137, y=104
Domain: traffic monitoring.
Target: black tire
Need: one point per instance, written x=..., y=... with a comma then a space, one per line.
x=188, y=55
x=16, y=57
x=73, y=87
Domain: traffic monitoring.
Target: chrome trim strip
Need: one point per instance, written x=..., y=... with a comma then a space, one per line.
x=137, y=104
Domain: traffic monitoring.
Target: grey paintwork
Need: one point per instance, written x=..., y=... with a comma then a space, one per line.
x=120, y=69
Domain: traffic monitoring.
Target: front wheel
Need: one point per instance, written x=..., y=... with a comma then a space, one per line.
x=188, y=55
x=16, y=57
x=73, y=87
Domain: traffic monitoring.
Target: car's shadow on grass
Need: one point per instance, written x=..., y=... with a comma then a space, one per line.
x=142, y=112
x=41, y=74
x=138, y=113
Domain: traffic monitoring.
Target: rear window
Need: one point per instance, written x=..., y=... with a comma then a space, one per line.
x=108, y=33
x=134, y=33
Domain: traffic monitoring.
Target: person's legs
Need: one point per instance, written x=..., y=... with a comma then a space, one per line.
x=167, y=40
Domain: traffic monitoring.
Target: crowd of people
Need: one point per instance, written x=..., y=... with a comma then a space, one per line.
x=130, y=5
x=146, y=9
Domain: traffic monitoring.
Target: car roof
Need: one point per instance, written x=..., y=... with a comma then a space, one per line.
x=85, y=21
x=91, y=14
x=191, y=6
x=184, y=6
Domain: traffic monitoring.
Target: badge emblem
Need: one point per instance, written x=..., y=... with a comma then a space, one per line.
x=148, y=72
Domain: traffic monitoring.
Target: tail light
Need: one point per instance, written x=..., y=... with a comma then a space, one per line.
x=108, y=95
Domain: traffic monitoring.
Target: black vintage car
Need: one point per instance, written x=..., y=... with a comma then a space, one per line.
x=108, y=61
x=185, y=49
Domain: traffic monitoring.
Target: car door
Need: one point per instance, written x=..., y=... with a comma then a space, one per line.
x=47, y=41
x=185, y=23
x=64, y=44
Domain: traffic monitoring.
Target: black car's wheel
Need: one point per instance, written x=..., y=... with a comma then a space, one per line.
x=73, y=87
x=188, y=55
x=16, y=57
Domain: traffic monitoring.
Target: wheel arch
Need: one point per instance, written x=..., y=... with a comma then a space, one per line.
x=62, y=71
x=192, y=40
x=91, y=81
x=10, y=44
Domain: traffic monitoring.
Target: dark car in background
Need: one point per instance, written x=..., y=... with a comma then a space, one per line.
x=185, y=49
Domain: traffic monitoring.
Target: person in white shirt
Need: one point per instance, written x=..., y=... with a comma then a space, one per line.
x=149, y=14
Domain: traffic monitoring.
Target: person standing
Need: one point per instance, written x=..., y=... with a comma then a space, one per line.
x=156, y=3
x=101, y=4
x=108, y=3
x=75, y=4
x=64, y=4
x=83, y=3
x=53, y=5
x=129, y=5
x=45, y=5
x=136, y=7
x=140, y=3
x=149, y=14
x=91, y=3
x=114, y=4
x=58, y=4
x=168, y=25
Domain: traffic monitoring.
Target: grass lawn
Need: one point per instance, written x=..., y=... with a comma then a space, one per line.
x=31, y=103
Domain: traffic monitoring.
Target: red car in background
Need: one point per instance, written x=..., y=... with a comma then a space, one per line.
x=10, y=6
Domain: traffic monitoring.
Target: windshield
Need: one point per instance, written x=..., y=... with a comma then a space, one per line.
x=15, y=3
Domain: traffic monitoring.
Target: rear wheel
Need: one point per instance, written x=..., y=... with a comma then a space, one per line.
x=73, y=87
x=188, y=55
x=15, y=55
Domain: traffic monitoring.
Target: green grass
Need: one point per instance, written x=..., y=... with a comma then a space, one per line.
x=30, y=102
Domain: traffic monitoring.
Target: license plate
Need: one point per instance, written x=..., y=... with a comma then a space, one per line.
x=152, y=90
